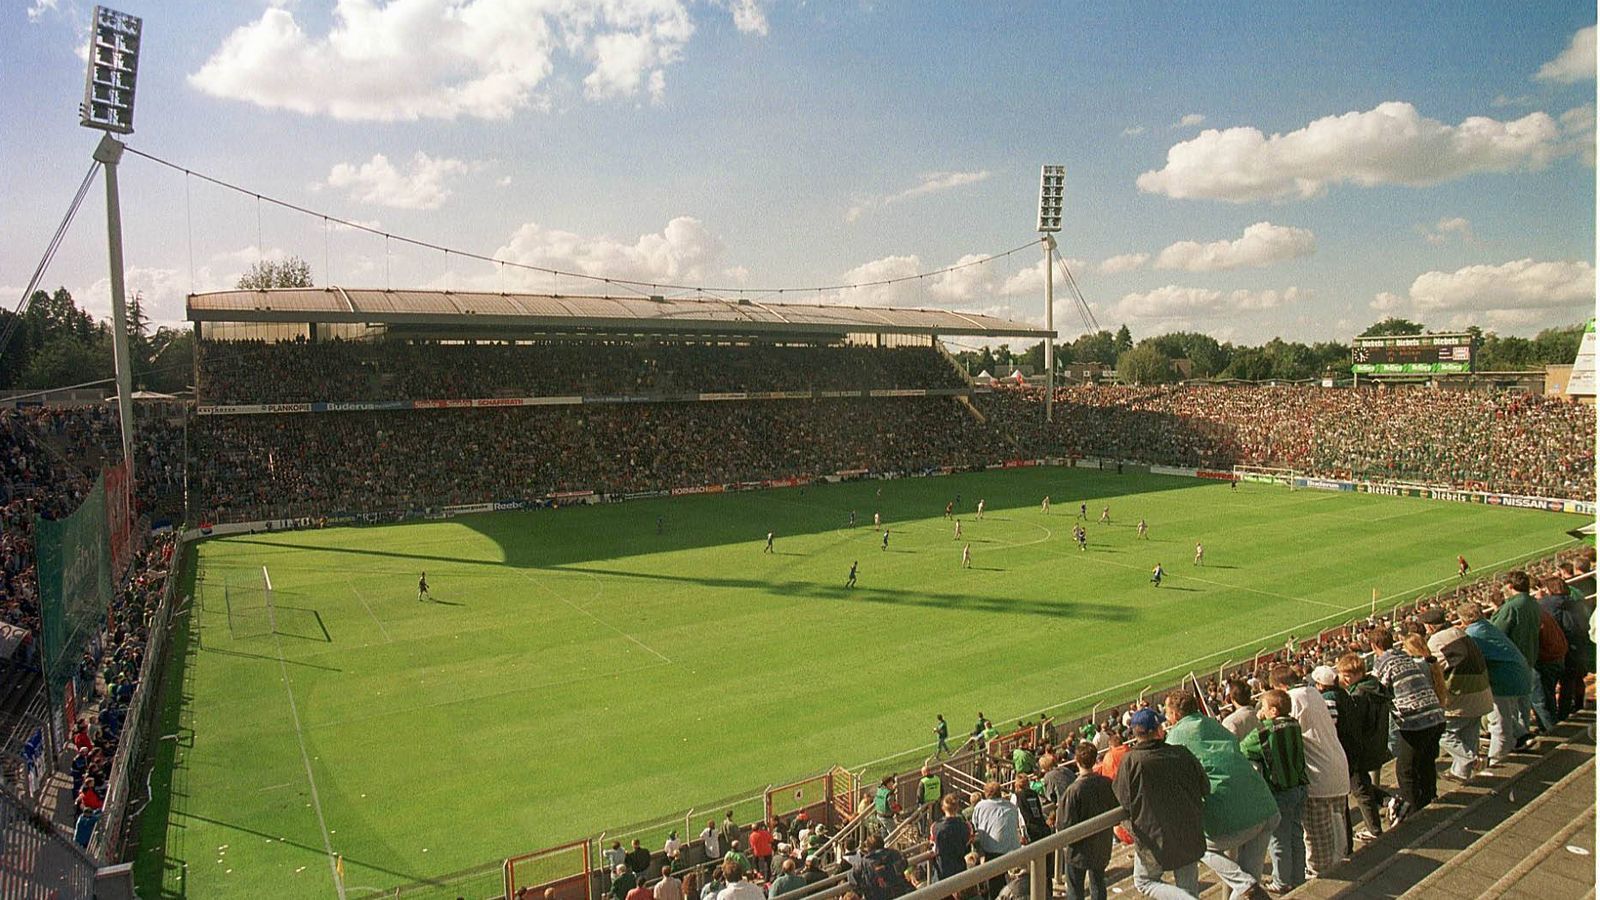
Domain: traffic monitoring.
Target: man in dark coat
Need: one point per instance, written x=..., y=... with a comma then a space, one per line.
x=1089, y=795
x=1163, y=787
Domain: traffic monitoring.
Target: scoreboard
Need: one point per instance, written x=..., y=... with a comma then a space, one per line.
x=1412, y=354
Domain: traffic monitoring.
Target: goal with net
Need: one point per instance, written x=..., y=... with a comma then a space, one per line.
x=251, y=611
x=1264, y=475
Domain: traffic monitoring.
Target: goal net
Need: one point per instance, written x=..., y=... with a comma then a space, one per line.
x=251, y=611
x=1264, y=475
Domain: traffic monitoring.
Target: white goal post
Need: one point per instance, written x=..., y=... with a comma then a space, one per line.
x=1265, y=475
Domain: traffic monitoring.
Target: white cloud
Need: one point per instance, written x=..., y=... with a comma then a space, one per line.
x=1501, y=100
x=421, y=185
x=1174, y=301
x=1189, y=121
x=1389, y=144
x=1521, y=284
x=749, y=16
x=1133, y=131
x=1446, y=228
x=931, y=183
x=1125, y=262
x=1575, y=64
x=1262, y=244
x=1578, y=124
x=1387, y=302
x=440, y=59
x=38, y=8
x=684, y=252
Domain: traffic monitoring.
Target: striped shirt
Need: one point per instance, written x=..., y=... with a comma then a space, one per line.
x=1416, y=706
x=1278, y=750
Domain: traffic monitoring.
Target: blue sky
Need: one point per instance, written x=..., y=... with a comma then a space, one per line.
x=1251, y=171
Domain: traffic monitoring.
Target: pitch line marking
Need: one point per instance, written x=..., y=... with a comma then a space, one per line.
x=311, y=779
x=599, y=621
x=1233, y=587
x=1186, y=666
x=379, y=622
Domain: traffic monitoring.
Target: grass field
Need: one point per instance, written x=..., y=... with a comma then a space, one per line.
x=576, y=671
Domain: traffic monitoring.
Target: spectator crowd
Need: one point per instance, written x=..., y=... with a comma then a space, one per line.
x=302, y=371
x=1501, y=441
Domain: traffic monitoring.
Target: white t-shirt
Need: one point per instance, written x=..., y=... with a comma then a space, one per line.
x=669, y=888
x=741, y=890
x=1325, y=760
x=713, y=846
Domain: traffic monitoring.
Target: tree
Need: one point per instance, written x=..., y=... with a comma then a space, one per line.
x=1144, y=364
x=1202, y=350
x=1249, y=364
x=290, y=272
x=171, y=360
x=1392, y=325
x=67, y=360
x=1124, y=339
x=1099, y=347
x=986, y=362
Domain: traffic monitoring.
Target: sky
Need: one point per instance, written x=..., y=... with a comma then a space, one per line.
x=1247, y=170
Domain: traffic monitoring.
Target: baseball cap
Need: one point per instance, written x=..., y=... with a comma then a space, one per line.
x=1144, y=720
x=1433, y=616
x=1324, y=675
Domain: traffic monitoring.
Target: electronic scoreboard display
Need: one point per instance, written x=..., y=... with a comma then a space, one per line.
x=1412, y=354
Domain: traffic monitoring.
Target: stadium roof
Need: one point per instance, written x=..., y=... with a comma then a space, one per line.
x=562, y=313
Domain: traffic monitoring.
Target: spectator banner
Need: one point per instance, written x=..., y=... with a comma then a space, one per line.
x=1213, y=474
x=1581, y=383
x=74, y=585
x=253, y=409
x=119, y=517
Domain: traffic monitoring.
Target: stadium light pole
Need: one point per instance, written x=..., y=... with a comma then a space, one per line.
x=108, y=106
x=1051, y=180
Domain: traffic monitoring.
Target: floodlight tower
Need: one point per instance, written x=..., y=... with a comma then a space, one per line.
x=1051, y=188
x=108, y=106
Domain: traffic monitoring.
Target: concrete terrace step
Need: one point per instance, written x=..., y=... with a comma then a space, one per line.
x=1475, y=835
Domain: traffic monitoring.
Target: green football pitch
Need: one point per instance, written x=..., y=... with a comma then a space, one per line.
x=576, y=671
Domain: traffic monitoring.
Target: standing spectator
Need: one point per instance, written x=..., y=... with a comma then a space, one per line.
x=673, y=850
x=1418, y=718
x=786, y=882
x=1242, y=720
x=1466, y=697
x=929, y=790
x=640, y=892
x=1163, y=788
x=737, y=887
x=1089, y=795
x=669, y=887
x=1056, y=779
x=1518, y=616
x=951, y=837
x=761, y=848
x=1572, y=618
x=638, y=860
x=998, y=825
x=730, y=830
x=1034, y=824
x=1111, y=754
x=881, y=874
x=1364, y=736
x=1277, y=747
x=1327, y=767
x=622, y=882
x=883, y=804
x=710, y=842
x=1240, y=814
x=1509, y=677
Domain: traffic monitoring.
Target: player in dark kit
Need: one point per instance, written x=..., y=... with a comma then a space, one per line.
x=851, y=581
x=947, y=508
x=885, y=540
x=1461, y=567
x=422, y=587
x=1083, y=511
x=769, y=543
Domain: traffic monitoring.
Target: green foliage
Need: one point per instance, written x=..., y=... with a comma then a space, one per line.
x=289, y=272
x=1124, y=339
x=1144, y=364
x=1202, y=350
x=67, y=359
x=1392, y=325
x=1099, y=347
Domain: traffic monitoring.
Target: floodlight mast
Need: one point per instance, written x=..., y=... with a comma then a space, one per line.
x=1051, y=189
x=108, y=106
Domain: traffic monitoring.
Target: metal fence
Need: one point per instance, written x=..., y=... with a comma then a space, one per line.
x=36, y=861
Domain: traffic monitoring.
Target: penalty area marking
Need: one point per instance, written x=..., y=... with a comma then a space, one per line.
x=1186, y=666
x=599, y=590
x=376, y=621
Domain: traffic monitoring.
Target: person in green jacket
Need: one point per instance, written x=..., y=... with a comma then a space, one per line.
x=1278, y=750
x=1518, y=617
x=1240, y=813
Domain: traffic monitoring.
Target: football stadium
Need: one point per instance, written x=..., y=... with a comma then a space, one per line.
x=551, y=576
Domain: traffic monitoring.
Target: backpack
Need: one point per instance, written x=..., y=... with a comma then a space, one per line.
x=881, y=876
x=1552, y=641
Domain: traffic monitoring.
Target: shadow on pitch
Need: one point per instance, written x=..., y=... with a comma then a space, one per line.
x=292, y=662
x=319, y=851
x=1064, y=609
